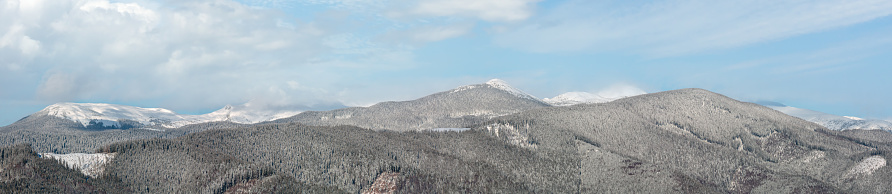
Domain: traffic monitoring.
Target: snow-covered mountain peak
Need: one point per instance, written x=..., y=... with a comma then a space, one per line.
x=500, y=85
x=112, y=115
x=610, y=94
x=106, y=114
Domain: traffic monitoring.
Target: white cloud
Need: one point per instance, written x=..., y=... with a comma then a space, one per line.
x=682, y=26
x=437, y=33
x=620, y=90
x=488, y=10
x=185, y=54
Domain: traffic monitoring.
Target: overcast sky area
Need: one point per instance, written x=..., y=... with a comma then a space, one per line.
x=196, y=56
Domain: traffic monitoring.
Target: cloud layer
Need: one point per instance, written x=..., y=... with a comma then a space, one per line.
x=675, y=27
x=198, y=54
x=216, y=51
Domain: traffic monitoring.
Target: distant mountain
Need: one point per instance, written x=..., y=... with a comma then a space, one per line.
x=111, y=116
x=830, y=121
x=456, y=108
x=72, y=127
x=607, y=95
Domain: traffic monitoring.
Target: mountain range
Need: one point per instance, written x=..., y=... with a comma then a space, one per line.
x=679, y=141
x=830, y=121
x=110, y=116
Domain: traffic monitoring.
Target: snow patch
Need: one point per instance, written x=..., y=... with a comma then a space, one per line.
x=512, y=133
x=89, y=164
x=867, y=166
x=477, y=113
x=463, y=88
x=448, y=129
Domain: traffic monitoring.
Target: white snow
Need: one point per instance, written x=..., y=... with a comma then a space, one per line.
x=572, y=98
x=477, y=113
x=498, y=84
x=449, y=129
x=512, y=133
x=853, y=118
x=89, y=164
x=868, y=165
x=110, y=114
x=502, y=85
x=834, y=122
x=609, y=94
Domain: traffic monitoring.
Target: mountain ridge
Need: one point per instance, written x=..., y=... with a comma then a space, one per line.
x=102, y=115
x=455, y=108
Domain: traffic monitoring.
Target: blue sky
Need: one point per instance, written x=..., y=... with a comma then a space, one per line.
x=195, y=56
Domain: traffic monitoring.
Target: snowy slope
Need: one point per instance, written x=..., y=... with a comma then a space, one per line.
x=610, y=94
x=89, y=164
x=111, y=115
x=833, y=122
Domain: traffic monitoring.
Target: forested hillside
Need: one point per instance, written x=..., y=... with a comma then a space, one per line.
x=23, y=171
x=352, y=158
x=174, y=166
x=698, y=140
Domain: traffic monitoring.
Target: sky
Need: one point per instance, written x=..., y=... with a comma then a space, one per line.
x=196, y=56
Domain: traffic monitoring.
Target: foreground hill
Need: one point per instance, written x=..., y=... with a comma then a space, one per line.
x=24, y=171
x=457, y=108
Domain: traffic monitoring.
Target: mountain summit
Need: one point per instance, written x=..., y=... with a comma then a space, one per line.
x=456, y=108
